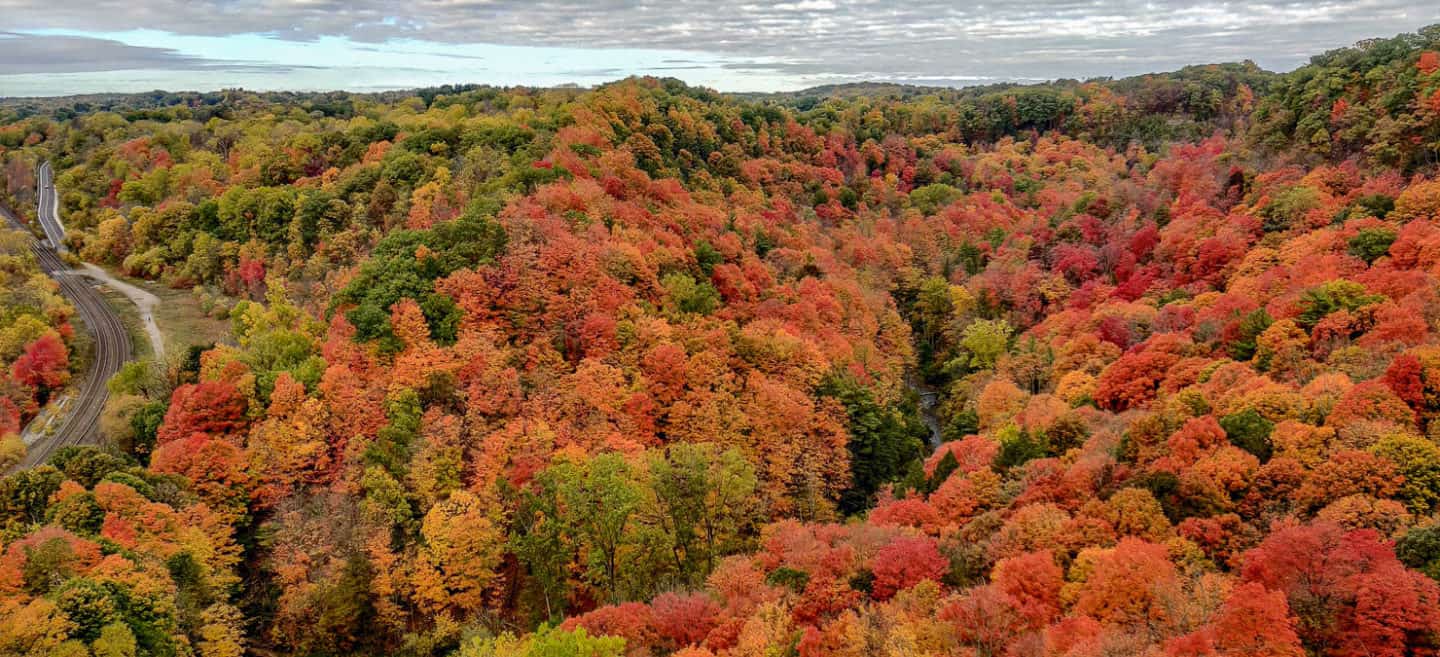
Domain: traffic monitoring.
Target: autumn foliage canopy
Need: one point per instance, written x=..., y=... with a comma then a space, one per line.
x=1134, y=367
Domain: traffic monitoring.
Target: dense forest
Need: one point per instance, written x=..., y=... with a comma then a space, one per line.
x=648, y=370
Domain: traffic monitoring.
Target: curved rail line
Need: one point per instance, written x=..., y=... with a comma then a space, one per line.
x=81, y=423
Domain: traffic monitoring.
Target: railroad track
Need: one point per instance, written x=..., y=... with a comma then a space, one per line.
x=81, y=422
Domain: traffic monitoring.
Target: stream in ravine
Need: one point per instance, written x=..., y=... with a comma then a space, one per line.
x=929, y=401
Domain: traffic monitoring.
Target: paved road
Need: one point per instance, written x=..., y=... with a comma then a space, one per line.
x=81, y=423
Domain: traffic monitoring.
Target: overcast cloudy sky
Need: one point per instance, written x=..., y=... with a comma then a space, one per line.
x=52, y=47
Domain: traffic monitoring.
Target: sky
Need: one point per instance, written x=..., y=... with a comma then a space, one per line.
x=62, y=47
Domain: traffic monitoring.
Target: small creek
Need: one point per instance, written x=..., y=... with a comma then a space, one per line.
x=929, y=401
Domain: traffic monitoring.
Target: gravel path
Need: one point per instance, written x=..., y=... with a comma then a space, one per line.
x=143, y=300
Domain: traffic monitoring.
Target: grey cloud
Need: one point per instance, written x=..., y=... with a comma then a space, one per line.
x=27, y=53
x=446, y=55
x=923, y=39
x=594, y=73
x=34, y=53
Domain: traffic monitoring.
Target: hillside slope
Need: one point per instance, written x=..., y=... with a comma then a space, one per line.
x=633, y=371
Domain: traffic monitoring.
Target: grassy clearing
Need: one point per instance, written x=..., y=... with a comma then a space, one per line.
x=130, y=319
x=182, y=322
